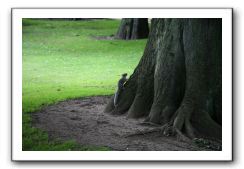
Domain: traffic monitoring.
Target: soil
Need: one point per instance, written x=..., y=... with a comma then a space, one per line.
x=83, y=120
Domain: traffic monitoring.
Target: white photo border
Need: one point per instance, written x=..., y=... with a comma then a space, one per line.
x=227, y=134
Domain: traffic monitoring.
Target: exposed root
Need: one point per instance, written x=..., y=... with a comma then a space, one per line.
x=180, y=127
x=143, y=132
x=167, y=130
x=170, y=130
x=147, y=123
x=182, y=122
x=160, y=129
x=181, y=136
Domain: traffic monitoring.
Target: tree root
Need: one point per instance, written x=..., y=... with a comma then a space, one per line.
x=144, y=132
x=180, y=126
x=167, y=130
x=181, y=136
x=147, y=123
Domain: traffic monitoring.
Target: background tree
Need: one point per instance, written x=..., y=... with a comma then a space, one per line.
x=178, y=81
x=133, y=28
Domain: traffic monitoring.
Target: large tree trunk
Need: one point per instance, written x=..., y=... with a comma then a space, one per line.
x=178, y=81
x=133, y=28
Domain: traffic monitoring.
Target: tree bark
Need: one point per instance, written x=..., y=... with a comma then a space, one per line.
x=178, y=81
x=133, y=28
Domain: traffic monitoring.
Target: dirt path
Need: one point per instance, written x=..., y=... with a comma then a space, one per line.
x=83, y=121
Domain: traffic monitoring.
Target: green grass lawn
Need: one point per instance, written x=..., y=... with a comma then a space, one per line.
x=63, y=60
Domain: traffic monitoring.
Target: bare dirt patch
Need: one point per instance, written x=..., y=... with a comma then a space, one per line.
x=83, y=120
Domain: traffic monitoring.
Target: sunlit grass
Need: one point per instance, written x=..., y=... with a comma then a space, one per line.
x=63, y=60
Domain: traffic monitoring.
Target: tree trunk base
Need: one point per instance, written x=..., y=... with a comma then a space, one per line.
x=177, y=83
